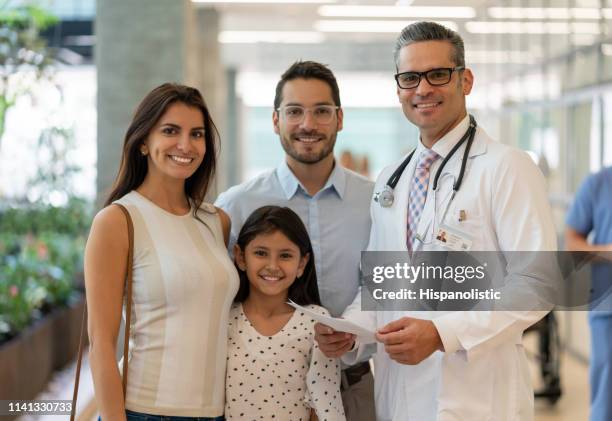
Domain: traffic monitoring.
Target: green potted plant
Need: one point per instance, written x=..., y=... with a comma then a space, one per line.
x=25, y=347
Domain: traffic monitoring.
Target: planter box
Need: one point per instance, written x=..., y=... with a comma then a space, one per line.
x=28, y=361
x=67, y=333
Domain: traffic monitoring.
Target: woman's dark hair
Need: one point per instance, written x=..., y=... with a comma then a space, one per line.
x=134, y=167
x=267, y=220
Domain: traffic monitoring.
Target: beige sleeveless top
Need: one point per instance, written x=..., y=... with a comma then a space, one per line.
x=183, y=287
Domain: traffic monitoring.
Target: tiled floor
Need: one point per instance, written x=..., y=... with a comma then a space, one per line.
x=574, y=402
x=61, y=387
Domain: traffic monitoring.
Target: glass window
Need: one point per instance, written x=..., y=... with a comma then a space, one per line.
x=74, y=111
x=606, y=51
x=585, y=68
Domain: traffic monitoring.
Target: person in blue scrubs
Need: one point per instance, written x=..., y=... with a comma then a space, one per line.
x=591, y=214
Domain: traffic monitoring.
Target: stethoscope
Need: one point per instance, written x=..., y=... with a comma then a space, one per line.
x=386, y=197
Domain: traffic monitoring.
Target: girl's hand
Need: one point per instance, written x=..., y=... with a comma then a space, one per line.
x=333, y=344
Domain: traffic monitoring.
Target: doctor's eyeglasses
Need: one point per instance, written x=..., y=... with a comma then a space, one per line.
x=295, y=114
x=435, y=77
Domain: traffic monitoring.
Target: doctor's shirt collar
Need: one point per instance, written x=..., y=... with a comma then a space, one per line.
x=443, y=146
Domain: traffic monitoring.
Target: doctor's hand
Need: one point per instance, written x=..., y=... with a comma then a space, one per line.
x=410, y=341
x=333, y=344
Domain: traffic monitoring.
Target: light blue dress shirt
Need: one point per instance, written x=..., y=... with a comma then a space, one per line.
x=337, y=219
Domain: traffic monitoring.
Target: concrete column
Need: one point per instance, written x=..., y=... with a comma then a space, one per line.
x=208, y=73
x=233, y=139
x=141, y=44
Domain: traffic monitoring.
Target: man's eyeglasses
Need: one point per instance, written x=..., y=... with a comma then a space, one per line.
x=435, y=77
x=295, y=114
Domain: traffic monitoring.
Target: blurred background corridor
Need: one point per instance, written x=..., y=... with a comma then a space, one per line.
x=72, y=72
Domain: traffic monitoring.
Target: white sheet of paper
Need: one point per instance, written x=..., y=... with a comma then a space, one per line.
x=364, y=335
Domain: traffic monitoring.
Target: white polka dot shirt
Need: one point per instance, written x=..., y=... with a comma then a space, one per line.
x=280, y=377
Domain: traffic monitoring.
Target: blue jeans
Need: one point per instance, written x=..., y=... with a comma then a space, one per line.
x=138, y=416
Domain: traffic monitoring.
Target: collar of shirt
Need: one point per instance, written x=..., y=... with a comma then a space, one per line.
x=443, y=146
x=290, y=183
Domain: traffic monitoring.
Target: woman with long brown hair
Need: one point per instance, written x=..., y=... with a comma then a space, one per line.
x=183, y=279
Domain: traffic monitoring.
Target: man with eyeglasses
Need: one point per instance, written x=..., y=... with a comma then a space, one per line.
x=459, y=365
x=332, y=201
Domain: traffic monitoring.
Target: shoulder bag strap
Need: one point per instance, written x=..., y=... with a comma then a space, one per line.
x=128, y=317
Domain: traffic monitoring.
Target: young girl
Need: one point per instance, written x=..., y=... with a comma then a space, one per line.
x=275, y=369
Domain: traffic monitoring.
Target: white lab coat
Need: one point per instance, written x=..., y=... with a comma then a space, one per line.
x=483, y=374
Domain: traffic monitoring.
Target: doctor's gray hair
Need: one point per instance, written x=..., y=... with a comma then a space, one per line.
x=430, y=31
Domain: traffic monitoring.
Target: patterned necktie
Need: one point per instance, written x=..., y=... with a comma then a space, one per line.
x=418, y=193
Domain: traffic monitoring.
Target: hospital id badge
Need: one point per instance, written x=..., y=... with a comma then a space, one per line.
x=453, y=239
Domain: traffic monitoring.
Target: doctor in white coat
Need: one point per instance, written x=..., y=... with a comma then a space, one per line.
x=467, y=366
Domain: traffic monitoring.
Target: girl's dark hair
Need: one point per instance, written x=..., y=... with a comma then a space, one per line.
x=134, y=167
x=267, y=220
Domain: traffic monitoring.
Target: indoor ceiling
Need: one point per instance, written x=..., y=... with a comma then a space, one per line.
x=359, y=34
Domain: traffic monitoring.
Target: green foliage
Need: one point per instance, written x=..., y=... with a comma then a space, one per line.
x=41, y=246
x=72, y=220
x=55, y=171
x=25, y=58
x=20, y=292
x=27, y=17
x=41, y=255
